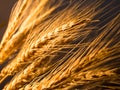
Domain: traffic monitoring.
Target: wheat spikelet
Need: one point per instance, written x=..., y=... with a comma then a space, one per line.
x=66, y=45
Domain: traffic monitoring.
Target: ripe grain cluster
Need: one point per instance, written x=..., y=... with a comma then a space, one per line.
x=61, y=45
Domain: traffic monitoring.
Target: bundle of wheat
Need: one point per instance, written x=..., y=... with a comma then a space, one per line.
x=61, y=44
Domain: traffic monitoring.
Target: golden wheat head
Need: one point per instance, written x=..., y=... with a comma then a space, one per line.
x=61, y=45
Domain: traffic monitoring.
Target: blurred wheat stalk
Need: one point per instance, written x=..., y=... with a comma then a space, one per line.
x=62, y=44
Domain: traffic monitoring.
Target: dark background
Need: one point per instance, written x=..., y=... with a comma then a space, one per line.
x=5, y=9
